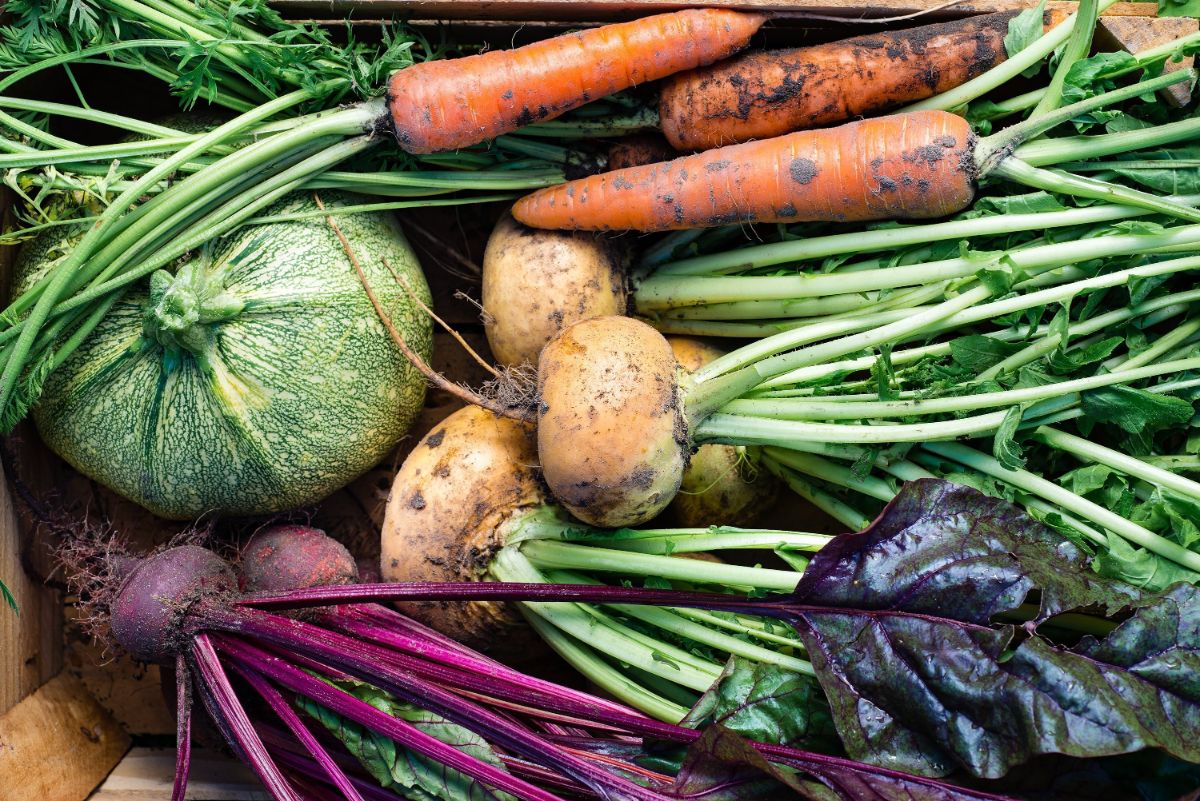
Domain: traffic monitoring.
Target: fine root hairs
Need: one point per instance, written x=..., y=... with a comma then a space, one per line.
x=435, y=378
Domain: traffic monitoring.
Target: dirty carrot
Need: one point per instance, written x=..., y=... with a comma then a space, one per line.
x=443, y=105
x=916, y=165
x=768, y=93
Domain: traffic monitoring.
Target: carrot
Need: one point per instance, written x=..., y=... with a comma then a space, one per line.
x=905, y=166
x=765, y=94
x=912, y=165
x=447, y=104
x=637, y=149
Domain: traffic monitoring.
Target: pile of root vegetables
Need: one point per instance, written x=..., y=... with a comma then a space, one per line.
x=929, y=289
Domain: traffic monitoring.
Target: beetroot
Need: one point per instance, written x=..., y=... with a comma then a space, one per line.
x=294, y=558
x=157, y=595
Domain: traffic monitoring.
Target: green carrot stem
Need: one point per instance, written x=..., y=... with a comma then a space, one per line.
x=729, y=428
x=716, y=328
x=566, y=556
x=992, y=150
x=746, y=626
x=1077, y=47
x=1049, y=491
x=982, y=312
x=890, y=239
x=836, y=508
x=1013, y=169
x=670, y=291
x=670, y=620
x=1089, y=452
x=604, y=634
x=366, y=208
x=1007, y=70
x=1182, y=461
x=1071, y=148
x=820, y=409
x=89, y=244
x=834, y=473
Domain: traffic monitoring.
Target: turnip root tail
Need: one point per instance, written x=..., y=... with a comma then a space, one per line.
x=611, y=431
x=445, y=517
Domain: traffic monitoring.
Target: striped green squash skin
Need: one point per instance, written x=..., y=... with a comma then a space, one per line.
x=258, y=378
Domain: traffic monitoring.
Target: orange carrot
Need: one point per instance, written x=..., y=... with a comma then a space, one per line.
x=765, y=94
x=636, y=149
x=443, y=105
x=915, y=165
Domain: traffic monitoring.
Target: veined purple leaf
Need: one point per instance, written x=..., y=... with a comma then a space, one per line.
x=769, y=704
x=898, y=621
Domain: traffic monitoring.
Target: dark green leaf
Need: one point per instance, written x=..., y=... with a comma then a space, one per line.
x=1004, y=447
x=9, y=598
x=1179, y=8
x=999, y=275
x=1065, y=363
x=884, y=375
x=1023, y=30
x=977, y=353
x=723, y=766
x=1140, y=567
x=934, y=571
x=766, y=703
x=1030, y=203
x=1135, y=411
x=414, y=776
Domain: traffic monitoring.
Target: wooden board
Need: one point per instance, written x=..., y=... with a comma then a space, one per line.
x=57, y=744
x=1136, y=35
x=146, y=774
x=577, y=11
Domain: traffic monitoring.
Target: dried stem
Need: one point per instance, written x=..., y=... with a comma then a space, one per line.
x=431, y=375
x=403, y=281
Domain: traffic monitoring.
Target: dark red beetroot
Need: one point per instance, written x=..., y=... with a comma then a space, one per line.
x=156, y=595
x=293, y=558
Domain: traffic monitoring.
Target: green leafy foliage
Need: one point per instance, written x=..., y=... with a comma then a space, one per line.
x=1179, y=8
x=1023, y=30
x=768, y=704
x=1005, y=448
x=9, y=598
x=940, y=565
x=395, y=768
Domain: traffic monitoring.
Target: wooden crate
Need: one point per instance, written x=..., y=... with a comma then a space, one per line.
x=68, y=711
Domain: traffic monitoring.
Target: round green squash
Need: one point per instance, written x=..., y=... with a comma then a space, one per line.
x=256, y=378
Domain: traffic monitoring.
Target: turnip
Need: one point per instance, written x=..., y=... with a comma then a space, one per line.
x=536, y=282
x=719, y=485
x=594, y=377
x=468, y=505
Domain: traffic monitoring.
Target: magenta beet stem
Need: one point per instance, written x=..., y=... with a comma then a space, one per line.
x=363, y=713
x=293, y=722
x=228, y=711
x=183, y=728
x=371, y=663
x=509, y=591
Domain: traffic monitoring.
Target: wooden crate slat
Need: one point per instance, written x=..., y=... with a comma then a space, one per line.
x=607, y=10
x=146, y=774
x=57, y=744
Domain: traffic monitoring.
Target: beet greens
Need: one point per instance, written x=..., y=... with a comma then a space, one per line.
x=947, y=636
